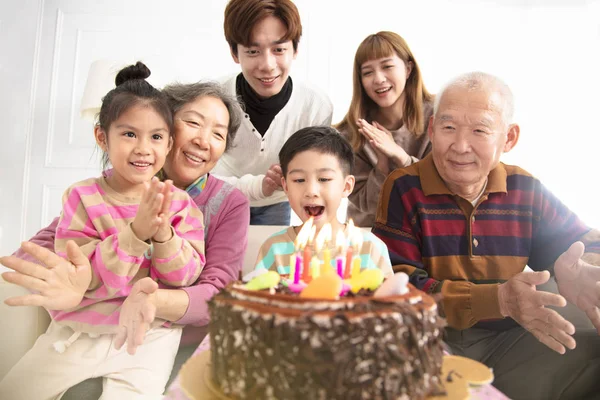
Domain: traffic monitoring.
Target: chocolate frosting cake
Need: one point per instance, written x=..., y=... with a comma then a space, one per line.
x=276, y=345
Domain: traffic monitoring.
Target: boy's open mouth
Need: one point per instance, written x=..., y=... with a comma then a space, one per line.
x=314, y=211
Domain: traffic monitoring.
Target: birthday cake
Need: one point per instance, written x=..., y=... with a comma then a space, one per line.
x=277, y=344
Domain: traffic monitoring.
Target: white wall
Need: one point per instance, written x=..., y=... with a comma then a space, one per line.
x=547, y=51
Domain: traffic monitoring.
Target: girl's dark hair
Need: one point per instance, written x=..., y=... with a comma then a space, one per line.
x=132, y=89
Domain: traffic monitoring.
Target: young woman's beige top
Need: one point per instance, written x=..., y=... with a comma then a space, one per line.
x=369, y=180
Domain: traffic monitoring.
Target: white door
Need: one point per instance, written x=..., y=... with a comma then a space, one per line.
x=19, y=26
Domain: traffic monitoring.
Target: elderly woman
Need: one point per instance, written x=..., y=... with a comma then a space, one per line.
x=206, y=120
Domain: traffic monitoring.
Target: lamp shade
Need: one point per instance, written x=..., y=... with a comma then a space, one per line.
x=100, y=80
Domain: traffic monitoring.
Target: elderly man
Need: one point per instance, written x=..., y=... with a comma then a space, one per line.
x=462, y=223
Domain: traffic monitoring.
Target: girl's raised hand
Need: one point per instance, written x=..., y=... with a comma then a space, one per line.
x=147, y=220
x=164, y=231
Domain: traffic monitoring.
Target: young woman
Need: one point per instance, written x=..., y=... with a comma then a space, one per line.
x=387, y=119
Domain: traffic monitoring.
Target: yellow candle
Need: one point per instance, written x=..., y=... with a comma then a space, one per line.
x=356, y=240
x=355, y=266
x=292, y=265
x=326, y=262
x=302, y=247
x=315, y=267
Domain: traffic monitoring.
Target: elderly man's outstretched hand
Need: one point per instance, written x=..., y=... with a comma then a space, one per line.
x=520, y=300
x=59, y=285
x=579, y=282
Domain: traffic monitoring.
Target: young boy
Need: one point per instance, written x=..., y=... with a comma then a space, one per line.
x=263, y=38
x=316, y=164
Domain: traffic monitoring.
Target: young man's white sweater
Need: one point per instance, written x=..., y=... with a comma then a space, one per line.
x=245, y=165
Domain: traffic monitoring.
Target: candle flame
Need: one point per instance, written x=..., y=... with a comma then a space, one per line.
x=303, y=235
x=340, y=241
x=323, y=236
x=311, y=237
x=356, y=240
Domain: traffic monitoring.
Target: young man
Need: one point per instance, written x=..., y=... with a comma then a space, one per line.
x=263, y=37
x=316, y=164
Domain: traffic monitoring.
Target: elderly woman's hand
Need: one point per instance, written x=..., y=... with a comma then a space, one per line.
x=60, y=285
x=137, y=314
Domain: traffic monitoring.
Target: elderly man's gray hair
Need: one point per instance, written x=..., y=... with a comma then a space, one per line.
x=180, y=94
x=478, y=81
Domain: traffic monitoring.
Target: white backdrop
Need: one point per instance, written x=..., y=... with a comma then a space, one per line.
x=547, y=51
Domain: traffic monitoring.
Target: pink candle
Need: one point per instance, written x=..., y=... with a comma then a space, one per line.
x=298, y=267
x=340, y=266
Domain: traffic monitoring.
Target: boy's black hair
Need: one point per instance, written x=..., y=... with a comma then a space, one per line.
x=323, y=139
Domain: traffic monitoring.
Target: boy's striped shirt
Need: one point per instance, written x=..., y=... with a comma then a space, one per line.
x=275, y=252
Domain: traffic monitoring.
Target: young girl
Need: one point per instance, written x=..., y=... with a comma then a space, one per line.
x=387, y=119
x=130, y=226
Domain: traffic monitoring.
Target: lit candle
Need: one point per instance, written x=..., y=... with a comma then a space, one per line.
x=315, y=267
x=301, y=244
x=357, y=244
x=306, y=264
x=297, y=266
x=339, y=259
x=349, y=232
x=322, y=242
x=315, y=262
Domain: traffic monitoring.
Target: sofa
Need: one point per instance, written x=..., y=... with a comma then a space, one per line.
x=22, y=325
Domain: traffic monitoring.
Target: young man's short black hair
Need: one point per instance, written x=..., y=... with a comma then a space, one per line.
x=322, y=139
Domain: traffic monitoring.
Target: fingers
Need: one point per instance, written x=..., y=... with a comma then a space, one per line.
x=549, y=341
x=26, y=281
x=533, y=278
x=551, y=329
x=140, y=329
x=131, y=339
x=42, y=254
x=275, y=174
x=594, y=316
x=555, y=319
x=541, y=298
x=569, y=258
x=153, y=195
x=26, y=267
x=277, y=169
x=147, y=285
x=375, y=144
x=270, y=183
x=167, y=198
x=120, y=337
x=367, y=129
x=27, y=300
x=381, y=128
x=148, y=313
x=76, y=256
